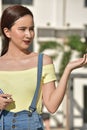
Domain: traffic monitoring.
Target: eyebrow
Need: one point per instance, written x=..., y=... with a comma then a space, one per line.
x=31, y=27
x=25, y=26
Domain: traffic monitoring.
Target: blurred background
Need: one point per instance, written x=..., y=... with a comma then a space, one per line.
x=61, y=32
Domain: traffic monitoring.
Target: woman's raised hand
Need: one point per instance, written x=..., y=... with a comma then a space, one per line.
x=77, y=63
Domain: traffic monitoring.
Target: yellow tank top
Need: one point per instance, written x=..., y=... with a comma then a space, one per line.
x=21, y=85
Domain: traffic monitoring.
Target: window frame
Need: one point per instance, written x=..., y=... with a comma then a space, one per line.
x=23, y=2
x=85, y=3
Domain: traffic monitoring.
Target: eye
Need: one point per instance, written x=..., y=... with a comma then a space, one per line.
x=22, y=28
x=31, y=29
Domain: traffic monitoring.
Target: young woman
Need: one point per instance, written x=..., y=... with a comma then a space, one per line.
x=18, y=71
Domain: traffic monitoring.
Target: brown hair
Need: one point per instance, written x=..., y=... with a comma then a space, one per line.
x=9, y=16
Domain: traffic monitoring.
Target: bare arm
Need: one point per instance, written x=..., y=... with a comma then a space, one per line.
x=52, y=95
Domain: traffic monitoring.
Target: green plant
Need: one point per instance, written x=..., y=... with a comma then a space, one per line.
x=53, y=45
x=65, y=59
x=76, y=44
x=48, y=45
x=73, y=42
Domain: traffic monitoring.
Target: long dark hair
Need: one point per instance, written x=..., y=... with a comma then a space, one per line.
x=9, y=16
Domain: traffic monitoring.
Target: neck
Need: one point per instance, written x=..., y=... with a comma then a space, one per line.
x=16, y=53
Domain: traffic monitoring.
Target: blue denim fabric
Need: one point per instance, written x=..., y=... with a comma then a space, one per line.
x=21, y=121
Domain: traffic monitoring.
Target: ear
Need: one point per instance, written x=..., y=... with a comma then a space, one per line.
x=7, y=32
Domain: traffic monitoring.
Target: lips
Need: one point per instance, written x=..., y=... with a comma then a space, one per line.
x=26, y=42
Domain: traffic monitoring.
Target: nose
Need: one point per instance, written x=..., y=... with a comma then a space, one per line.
x=28, y=34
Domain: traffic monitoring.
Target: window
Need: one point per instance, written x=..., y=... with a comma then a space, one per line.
x=85, y=3
x=25, y=2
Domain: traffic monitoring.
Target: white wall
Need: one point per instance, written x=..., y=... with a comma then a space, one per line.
x=76, y=13
x=43, y=12
x=54, y=11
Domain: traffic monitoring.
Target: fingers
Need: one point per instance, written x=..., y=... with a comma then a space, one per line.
x=6, y=96
x=78, y=63
x=85, y=59
x=5, y=102
x=9, y=100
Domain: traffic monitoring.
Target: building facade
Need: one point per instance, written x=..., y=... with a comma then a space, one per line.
x=54, y=20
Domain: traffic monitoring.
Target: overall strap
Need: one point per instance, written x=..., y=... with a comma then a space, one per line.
x=32, y=107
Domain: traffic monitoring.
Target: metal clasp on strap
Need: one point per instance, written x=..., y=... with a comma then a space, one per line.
x=31, y=110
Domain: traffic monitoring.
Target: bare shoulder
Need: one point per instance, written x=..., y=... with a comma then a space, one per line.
x=47, y=60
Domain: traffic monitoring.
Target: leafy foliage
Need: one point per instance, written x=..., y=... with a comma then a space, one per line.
x=53, y=45
x=76, y=44
x=65, y=59
x=48, y=45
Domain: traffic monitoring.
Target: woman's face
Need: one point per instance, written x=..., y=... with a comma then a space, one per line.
x=21, y=33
